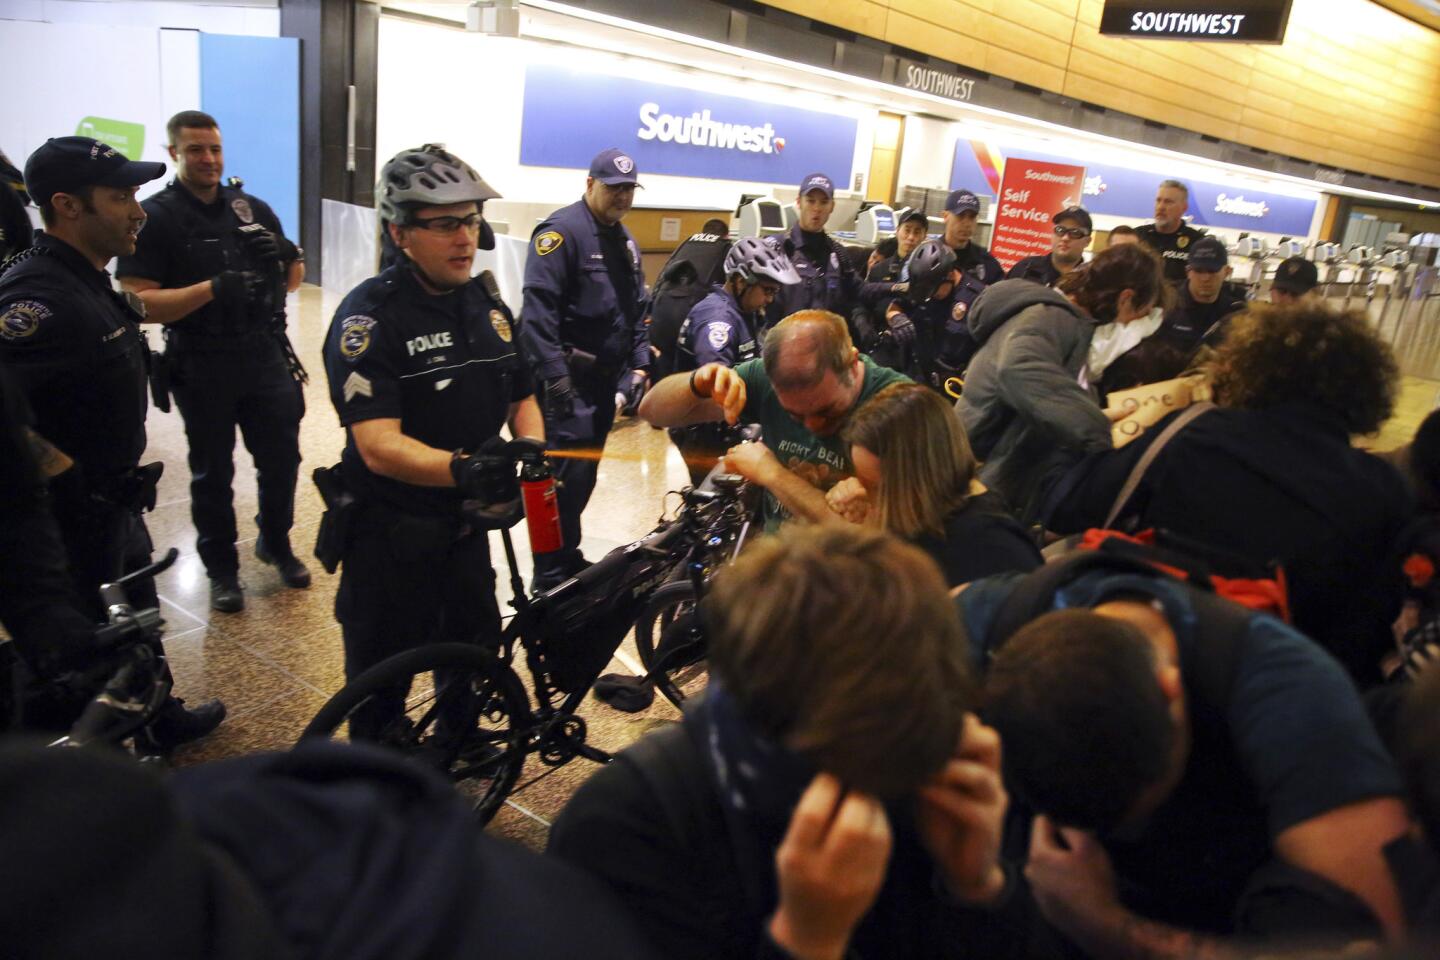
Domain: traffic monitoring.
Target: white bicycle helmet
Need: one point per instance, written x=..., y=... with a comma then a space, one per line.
x=753, y=259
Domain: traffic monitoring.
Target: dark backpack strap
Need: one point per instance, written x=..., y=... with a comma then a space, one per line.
x=1034, y=595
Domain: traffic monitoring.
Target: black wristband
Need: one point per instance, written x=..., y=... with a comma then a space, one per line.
x=692, y=385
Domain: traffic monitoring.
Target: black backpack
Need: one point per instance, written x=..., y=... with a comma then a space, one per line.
x=695, y=266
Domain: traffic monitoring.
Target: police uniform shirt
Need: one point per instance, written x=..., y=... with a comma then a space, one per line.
x=715, y=332
x=444, y=365
x=1187, y=323
x=1173, y=248
x=886, y=271
x=73, y=344
x=187, y=241
x=828, y=281
x=975, y=261
x=946, y=342
x=1040, y=269
x=584, y=287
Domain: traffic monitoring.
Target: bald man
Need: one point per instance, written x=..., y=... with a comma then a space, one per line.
x=801, y=391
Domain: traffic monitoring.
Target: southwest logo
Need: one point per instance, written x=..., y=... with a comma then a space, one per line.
x=699, y=130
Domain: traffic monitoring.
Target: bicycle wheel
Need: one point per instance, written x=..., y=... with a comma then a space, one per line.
x=668, y=632
x=460, y=706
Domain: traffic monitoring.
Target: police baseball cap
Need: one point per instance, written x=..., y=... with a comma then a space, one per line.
x=65, y=164
x=962, y=201
x=916, y=215
x=1208, y=255
x=1079, y=214
x=1296, y=275
x=613, y=167
x=818, y=181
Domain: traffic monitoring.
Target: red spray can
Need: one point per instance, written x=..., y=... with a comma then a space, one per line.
x=542, y=509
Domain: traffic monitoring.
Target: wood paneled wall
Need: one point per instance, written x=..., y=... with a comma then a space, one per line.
x=1354, y=85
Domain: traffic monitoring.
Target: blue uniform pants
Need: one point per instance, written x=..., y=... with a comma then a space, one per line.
x=217, y=392
x=584, y=432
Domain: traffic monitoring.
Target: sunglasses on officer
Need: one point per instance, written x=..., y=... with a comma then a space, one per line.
x=447, y=225
x=1074, y=233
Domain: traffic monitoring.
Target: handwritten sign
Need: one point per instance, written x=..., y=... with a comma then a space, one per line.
x=1138, y=409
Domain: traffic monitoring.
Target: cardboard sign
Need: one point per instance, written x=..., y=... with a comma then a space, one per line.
x=1032, y=192
x=1140, y=408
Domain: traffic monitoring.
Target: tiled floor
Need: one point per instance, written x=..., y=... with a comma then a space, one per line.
x=275, y=663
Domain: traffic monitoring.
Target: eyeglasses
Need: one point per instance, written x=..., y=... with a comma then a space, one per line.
x=447, y=224
x=1074, y=233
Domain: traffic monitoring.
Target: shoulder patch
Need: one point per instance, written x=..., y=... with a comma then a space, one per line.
x=548, y=242
x=242, y=209
x=356, y=336
x=718, y=334
x=501, y=323
x=22, y=318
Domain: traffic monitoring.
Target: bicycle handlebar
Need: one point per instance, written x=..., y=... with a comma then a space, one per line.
x=114, y=594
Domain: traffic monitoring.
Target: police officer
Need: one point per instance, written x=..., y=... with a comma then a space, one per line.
x=423, y=371
x=1294, y=279
x=695, y=267
x=1170, y=236
x=722, y=328
x=962, y=212
x=828, y=280
x=214, y=266
x=584, y=335
x=1072, y=235
x=908, y=235
x=1206, y=301
x=930, y=317
x=74, y=347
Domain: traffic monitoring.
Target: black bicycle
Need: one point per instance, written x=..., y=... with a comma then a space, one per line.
x=468, y=713
x=117, y=696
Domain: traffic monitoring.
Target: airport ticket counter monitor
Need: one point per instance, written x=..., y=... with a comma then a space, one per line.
x=875, y=223
x=760, y=217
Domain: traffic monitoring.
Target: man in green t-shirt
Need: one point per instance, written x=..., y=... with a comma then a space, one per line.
x=801, y=391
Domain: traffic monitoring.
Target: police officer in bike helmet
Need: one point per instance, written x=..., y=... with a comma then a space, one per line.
x=724, y=328
x=423, y=371
x=929, y=319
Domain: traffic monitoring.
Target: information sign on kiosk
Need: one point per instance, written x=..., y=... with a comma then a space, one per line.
x=1242, y=21
x=1032, y=192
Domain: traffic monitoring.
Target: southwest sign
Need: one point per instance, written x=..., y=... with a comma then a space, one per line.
x=1259, y=21
x=570, y=115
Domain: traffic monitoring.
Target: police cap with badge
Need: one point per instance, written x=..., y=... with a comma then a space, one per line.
x=1297, y=276
x=1208, y=255
x=67, y=164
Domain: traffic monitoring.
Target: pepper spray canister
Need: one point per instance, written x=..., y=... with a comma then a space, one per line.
x=542, y=508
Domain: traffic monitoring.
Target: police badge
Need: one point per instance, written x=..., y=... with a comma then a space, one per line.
x=501, y=325
x=241, y=206
x=1182, y=242
x=957, y=312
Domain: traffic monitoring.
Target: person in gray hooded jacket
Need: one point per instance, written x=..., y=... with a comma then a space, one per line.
x=1028, y=405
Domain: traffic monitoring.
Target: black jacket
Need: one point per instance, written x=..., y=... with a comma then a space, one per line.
x=1278, y=484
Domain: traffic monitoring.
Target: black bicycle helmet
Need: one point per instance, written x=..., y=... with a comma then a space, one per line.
x=428, y=176
x=929, y=266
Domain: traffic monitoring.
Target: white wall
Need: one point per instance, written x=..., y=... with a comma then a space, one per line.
x=258, y=18
x=469, y=95
x=927, y=152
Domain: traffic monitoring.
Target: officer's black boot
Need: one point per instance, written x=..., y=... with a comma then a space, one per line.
x=292, y=571
x=226, y=594
x=174, y=725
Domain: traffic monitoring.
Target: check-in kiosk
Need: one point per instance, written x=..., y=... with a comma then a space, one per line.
x=874, y=223
x=760, y=217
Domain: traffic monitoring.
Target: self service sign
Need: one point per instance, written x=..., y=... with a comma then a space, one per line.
x=1258, y=21
x=571, y=115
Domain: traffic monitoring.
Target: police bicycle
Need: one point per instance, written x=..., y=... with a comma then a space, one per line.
x=468, y=713
x=125, y=686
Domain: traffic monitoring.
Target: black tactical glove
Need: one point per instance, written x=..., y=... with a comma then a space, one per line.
x=863, y=325
x=631, y=391
x=559, y=399
x=901, y=328
x=236, y=288
x=487, y=481
x=265, y=246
